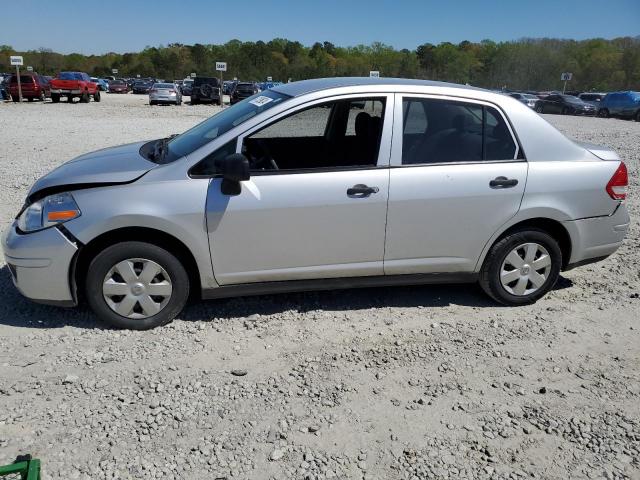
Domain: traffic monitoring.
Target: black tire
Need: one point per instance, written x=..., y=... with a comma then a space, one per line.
x=15, y=99
x=194, y=101
x=55, y=97
x=30, y=99
x=70, y=98
x=96, y=96
x=151, y=102
x=105, y=260
x=84, y=98
x=539, y=108
x=603, y=113
x=491, y=268
x=565, y=111
x=637, y=117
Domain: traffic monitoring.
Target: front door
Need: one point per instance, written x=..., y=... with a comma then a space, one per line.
x=457, y=178
x=315, y=206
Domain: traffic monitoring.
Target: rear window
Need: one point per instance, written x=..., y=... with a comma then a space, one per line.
x=164, y=85
x=70, y=76
x=202, y=80
x=23, y=79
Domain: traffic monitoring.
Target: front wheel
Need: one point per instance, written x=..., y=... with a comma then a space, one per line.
x=539, y=109
x=603, y=113
x=84, y=98
x=55, y=97
x=96, y=96
x=136, y=285
x=521, y=267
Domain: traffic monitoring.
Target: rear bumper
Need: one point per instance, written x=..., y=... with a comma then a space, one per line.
x=66, y=91
x=40, y=264
x=596, y=238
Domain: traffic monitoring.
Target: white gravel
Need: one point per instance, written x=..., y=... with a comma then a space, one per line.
x=408, y=383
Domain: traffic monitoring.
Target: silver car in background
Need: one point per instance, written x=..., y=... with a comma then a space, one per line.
x=165, y=93
x=526, y=98
x=320, y=184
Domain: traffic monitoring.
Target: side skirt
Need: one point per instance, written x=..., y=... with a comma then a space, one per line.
x=263, y=288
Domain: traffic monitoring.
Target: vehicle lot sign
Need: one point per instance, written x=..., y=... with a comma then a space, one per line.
x=374, y=74
x=114, y=71
x=269, y=79
x=221, y=66
x=193, y=75
x=566, y=76
x=16, y=60
x=29, y=68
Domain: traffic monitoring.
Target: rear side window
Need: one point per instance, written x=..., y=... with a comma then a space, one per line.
x=445, y=131
x=23, y=79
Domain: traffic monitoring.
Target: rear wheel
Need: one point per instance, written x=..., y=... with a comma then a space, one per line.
x=603, y=113
x=55, y=97
x=30, y=99
x=521, y=267
x=84, y=98
x=42, y=97
x=136, y=285
x=70, y=98
x=539, y=109
x=96, y=96
x=637, y=117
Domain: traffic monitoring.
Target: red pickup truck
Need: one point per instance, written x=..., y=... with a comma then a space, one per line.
x=72, y=85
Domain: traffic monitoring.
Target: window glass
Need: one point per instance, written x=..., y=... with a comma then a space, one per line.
x=207, y=166
x=444, y=131
x=339, y=134
x=499, y=144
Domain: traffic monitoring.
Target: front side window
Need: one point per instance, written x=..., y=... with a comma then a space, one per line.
x=447, y=131
x=339, y=134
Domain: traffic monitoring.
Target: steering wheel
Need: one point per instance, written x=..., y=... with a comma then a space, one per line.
x=265, y=161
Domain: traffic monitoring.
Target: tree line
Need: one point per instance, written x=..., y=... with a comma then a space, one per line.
x=526, y=64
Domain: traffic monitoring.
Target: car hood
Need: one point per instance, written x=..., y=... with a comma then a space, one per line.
x=122, y=164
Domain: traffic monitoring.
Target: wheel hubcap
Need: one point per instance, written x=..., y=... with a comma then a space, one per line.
x=525, y=269
x=137, y=288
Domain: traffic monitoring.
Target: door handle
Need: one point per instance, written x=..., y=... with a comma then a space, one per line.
x=503, y=182
x=361, y=190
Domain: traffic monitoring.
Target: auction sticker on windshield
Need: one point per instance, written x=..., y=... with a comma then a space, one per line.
x=261, y=100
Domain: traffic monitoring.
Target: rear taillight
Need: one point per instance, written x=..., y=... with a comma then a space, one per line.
x=617, y=186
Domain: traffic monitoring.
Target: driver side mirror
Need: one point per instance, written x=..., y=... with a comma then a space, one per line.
x=234, y=169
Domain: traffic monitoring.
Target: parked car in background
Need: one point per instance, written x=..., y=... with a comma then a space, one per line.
x=164, y=93
x=296, y=190
x=228, y=86
x=592, y=98
x=187, y=85
x=142, y=86
x=243, y=90
x=74, y=85
x=526, y=98
x=34, y=87
x=4, y=87
x=118, y=86
x=206, y=90
x=103, y=85
x=621, y=104
x=565, y=105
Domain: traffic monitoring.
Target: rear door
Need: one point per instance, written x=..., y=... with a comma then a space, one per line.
x=316, y=203
x=457, y=175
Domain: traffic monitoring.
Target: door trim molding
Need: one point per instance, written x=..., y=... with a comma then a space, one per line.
x=289, y=286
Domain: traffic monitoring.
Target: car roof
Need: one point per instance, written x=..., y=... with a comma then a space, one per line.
x=303, y=87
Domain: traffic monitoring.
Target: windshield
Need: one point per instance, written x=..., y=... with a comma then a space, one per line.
x=571, y=99
x=529, y=96
x=220, y=123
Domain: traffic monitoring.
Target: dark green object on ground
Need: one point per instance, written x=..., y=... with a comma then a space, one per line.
x=24, y=468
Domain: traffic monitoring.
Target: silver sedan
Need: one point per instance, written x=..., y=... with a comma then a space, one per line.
x=321, y=184
x=165, y=93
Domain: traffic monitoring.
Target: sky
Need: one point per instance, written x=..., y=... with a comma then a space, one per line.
x=127, y=26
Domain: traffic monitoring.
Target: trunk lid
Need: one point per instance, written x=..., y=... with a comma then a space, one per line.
x=600, y=151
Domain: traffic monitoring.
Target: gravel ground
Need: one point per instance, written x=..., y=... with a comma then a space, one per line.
x=407, y=383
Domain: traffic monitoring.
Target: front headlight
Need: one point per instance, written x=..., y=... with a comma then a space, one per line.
x=49, y=211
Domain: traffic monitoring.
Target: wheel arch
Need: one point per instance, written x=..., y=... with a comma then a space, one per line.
x=553, y=227
x=143, y=234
